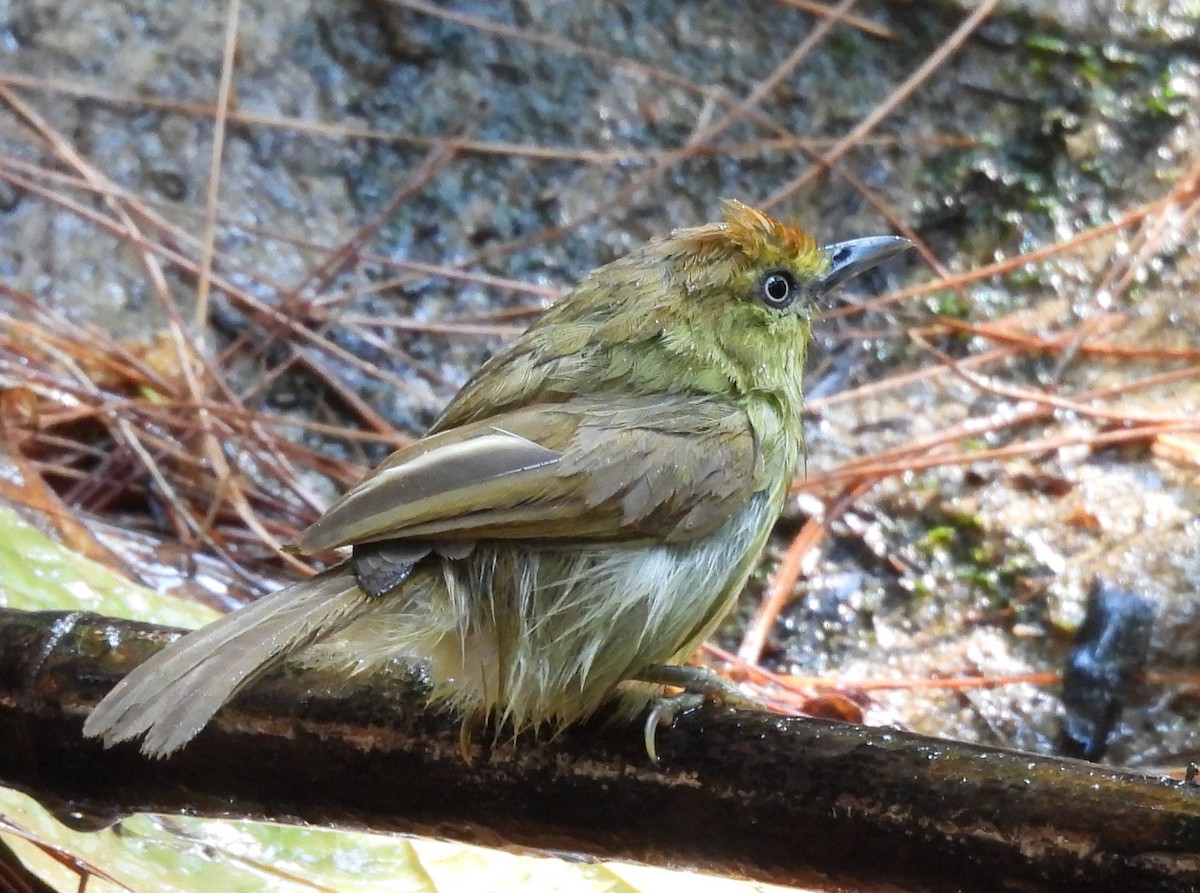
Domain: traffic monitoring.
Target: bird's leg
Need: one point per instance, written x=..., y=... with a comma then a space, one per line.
x=699, y=684
x=701, y=681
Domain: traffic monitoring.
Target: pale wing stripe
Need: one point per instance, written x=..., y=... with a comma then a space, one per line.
x=394, y=497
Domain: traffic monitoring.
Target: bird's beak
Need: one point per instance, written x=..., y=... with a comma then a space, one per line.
x=848, y=259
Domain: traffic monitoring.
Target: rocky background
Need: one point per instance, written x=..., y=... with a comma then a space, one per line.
x=409, y=182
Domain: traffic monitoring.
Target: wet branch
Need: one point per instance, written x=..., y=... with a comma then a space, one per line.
x=788, y=800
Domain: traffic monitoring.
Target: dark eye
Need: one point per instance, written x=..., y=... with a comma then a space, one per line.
x=777, y=289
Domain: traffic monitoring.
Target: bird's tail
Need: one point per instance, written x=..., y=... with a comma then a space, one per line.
x=174, y=694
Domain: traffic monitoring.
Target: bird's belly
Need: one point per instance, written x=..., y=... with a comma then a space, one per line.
x=537, y=636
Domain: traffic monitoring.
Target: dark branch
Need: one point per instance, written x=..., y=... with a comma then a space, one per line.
x=788, y=800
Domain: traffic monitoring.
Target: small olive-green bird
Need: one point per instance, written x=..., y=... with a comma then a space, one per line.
x=583, y=514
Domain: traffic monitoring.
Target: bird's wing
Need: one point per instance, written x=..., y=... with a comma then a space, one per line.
x=669, y=469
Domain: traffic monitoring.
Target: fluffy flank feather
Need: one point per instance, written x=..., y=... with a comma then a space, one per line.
x=511, y=632
x=175, y=693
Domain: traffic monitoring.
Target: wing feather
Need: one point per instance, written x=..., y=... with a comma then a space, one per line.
x=640, y=469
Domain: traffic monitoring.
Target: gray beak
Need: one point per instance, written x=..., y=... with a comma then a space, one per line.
x=848, y=259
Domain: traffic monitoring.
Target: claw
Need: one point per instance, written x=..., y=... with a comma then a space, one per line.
x=700, y=684
x=471, y=723
x=663, y=714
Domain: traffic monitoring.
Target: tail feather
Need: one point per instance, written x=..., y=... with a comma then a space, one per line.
x=174, y=694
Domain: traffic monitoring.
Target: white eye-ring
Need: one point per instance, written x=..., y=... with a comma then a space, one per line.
x=777, y=289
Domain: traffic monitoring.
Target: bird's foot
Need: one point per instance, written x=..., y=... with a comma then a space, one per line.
x=699, y=684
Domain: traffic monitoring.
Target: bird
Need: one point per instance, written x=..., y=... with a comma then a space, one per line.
x=579, y=519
